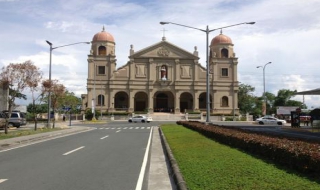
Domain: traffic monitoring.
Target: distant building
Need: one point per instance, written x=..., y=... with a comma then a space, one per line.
x=4, y=95
x=161, y=78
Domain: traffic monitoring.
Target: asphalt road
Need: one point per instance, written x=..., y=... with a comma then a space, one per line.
x=109, y=157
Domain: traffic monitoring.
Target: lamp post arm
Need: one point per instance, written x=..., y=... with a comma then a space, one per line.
x=70, y=44
x=231, y=26
x=182, y=25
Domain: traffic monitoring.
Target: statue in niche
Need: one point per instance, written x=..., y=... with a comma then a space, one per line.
x=163, y=73
x=91, y=52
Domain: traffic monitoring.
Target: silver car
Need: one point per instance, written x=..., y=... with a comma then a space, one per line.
x=140, y=118
x=269, y=120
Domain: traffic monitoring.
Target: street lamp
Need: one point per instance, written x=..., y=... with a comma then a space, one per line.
x=207, y=31
x=49, y=93
x=264, y=88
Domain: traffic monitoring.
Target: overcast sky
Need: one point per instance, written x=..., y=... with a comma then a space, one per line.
x=286, y=32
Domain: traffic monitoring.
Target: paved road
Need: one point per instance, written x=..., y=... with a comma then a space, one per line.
x=111, y=156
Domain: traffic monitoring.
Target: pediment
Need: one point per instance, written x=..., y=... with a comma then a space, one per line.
x=164, y=50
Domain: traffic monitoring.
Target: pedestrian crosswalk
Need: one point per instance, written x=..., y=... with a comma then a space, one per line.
x=122, y=128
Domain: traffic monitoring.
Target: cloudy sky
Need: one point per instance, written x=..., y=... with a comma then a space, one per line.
x=286, y=32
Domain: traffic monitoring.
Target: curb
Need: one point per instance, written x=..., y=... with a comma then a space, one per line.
x=11, y=142
x=177, y=176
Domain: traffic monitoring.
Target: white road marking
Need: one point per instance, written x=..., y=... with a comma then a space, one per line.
x=125, y=128
x=3, y=180
x=108, y=128
x=148, y=127
x=131, y=128
x=118, y=131
x=142, y=127
x=104, y=137
x=47, y=139
x=144, y=164
x=73, y=150
x=137, y=127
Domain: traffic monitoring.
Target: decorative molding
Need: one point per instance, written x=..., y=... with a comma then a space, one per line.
x=163, y=52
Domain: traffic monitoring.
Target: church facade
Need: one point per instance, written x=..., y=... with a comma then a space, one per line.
x=161, y=78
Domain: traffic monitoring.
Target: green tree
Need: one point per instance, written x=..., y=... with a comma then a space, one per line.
x=70, y=100
x=270, y=103
x=246, y=99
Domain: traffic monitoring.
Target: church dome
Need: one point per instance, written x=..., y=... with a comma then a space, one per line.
x=221, y=39
x=103, y=36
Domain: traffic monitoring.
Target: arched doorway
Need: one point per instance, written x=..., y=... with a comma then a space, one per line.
x=186, y=102
x=121, y=101
x=163, y=102
x=140, y=101
x=203, y=101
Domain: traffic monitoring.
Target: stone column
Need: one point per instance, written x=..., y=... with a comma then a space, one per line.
x=177, y=102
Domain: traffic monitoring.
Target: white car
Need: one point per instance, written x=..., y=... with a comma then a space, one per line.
x=269, y=120
x=140, y=118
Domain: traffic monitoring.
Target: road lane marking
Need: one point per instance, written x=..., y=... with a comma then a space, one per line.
x=142, y=127
x=125, y=128
x=46, y=139
x=73, y=150
x=131, y=128
x=118, y=131
x=137, y=127
x=3, y=180
x=104, y=137
x=144, y=163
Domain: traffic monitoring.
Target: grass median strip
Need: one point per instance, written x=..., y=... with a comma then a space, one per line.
x=13, y=134
x=206, y=165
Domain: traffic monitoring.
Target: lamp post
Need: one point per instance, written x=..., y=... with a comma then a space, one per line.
x=207, y=31
x=264, y=88
x=50, y=63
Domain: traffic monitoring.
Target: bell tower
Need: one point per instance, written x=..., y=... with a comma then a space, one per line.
x=224, y=82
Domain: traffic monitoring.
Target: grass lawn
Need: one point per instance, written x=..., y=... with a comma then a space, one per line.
x=208, y=165
x=12, y=134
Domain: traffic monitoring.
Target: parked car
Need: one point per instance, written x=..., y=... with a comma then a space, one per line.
x=17, y=119
x=2, y=120
x=270, y=121
x=140, y=118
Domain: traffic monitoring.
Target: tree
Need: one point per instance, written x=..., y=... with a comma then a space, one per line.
x=246, y=100
x=17, y=77
x=33, y=84
x=57, y=93
x=70, y=100
x=270, y=103
x=283, y=97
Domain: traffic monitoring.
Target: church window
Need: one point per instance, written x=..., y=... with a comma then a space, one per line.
x=102, y=50
x=224, y=72
x=101, y=100
x=101, y=70
x=224, y=101
x=224, y=53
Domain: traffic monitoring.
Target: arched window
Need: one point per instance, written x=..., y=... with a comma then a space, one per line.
x=224, y=53
x=102, y=50
x=101, y=100
x=225, y=101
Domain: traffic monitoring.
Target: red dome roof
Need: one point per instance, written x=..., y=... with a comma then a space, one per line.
x=103, y=36
x=221, y=39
